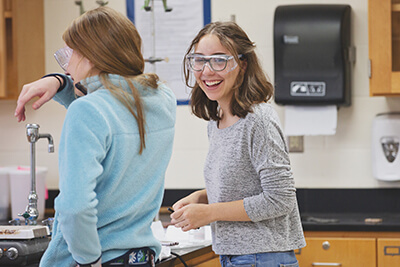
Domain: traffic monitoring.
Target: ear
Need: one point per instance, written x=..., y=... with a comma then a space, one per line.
x=243, y=65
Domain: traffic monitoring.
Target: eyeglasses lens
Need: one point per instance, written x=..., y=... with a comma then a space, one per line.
x=218, y=64
x=197, y=63
x=63, y=56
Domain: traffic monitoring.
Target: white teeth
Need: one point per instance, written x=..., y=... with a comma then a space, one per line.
x=211, y=83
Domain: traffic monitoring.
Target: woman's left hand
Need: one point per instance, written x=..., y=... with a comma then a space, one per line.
x=191, y=216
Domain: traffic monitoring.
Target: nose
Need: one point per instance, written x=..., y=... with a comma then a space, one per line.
x=208, y=69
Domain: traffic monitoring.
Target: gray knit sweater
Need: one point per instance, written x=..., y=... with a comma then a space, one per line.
x=249, y=160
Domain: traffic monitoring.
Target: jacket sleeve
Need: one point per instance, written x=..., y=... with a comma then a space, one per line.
x=83, y=146
x=67, y=95
x=270, y=158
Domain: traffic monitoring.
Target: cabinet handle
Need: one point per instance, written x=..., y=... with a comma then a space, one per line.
x=369, y=68
x=326, y=264
x=392, y=250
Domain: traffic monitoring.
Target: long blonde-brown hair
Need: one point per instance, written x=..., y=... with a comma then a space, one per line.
x=110, y=41
x=251, y=86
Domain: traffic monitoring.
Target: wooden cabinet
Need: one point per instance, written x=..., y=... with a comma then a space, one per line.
x=345, y=249
x=388, y=250
x=203, y=257
x=210, y=263
x=384, y=47
x=21, y=45
x=338, y=252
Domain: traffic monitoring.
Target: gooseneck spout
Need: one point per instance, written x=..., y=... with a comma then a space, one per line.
x=31, y=212
x=50, y=139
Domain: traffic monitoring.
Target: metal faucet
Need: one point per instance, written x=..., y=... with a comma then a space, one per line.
x=31, y=212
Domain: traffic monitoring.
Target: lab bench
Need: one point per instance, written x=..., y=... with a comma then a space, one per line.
x=199, y=257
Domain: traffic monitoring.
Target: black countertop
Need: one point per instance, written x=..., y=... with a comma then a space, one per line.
x=350, y=209
x=367, y=222
x=337, y=209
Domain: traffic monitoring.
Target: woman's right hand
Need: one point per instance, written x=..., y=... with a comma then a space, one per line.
x=195, y=197
x=183, y=202
x=44, y=88
x=190, y=212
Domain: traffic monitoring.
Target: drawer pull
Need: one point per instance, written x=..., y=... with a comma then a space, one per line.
x=326, y=245
x=392, y=250
x=326, y=264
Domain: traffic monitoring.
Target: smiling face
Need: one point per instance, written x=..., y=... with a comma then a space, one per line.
x=216, y=85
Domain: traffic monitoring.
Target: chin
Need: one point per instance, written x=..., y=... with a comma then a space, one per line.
x=212, y=97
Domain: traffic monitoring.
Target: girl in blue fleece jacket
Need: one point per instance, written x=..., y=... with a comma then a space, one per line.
x=115, y=144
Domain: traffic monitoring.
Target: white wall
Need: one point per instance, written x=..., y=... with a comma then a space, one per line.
x=339, y=161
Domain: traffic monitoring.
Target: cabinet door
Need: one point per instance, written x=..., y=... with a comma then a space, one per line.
x=210, y=263
x=344, y=252
x=384, y=47
x=388, y=252
x=21, y=45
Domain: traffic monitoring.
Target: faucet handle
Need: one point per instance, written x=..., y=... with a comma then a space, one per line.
x=30, y=215
x=16, y=221
x=26, y=216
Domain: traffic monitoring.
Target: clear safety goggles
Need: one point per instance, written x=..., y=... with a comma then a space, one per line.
x=63, y=56
x=216, y=63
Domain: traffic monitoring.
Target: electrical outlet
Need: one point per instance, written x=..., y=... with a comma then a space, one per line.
x=296, y=144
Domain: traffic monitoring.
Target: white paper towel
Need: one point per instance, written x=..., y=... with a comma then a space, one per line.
x=310, y=120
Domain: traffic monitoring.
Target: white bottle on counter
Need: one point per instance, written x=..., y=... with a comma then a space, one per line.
x=385, y=147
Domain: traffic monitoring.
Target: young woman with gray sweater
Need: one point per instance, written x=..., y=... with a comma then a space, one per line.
x=250, y=198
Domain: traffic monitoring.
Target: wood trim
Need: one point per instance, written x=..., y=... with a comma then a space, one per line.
x=396, y=7
x=396, y=83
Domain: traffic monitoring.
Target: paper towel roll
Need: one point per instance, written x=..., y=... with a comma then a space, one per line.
x=310, y=120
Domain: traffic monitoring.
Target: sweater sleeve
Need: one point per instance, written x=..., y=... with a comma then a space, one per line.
x=83, y=147
x=270, y=159
x=66, y=96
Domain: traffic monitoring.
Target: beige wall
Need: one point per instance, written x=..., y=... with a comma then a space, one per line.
x=339, y=161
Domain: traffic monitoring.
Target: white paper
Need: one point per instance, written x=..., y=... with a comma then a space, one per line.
x=158, y=230
x=173, y=33
x=310, y=120
x=193, y=238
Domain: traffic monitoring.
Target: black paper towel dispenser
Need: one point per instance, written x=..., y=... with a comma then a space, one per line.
x=313, y=55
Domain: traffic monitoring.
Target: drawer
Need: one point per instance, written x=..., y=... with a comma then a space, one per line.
x=344, y=252
x=388, y=252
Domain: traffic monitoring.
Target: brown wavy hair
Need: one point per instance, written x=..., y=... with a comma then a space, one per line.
x=251, y=86
x=110, y=41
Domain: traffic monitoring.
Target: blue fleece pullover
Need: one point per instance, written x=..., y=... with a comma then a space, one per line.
x=109, y=194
